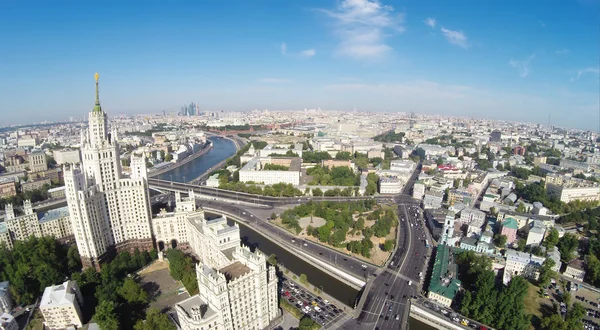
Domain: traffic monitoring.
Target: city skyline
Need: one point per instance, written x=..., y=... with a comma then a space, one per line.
x=522, y=64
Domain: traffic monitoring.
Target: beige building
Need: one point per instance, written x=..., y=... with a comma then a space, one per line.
x=253, y=171
x=8, y=322
x=107, y=209
x=37, y=162
x=35, y=184
x=575, y=270
x=238, y=290
x=61, y=306
x=567, y=188
x=7, y=188
x=54, y=222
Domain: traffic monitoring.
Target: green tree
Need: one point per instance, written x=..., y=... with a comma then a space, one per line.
x=500, y=240
x=465, y=303
x=73, y=260
x=567, y=246
x=552, y=239
x=133, y=293
x=155, y=320
x=303, y=279
x=546, y=272
x=105, y=316
x=272, y=260
x=360, y=223
x=317, y=192
x=521, y=244
x=306, y=323
x=388, y=245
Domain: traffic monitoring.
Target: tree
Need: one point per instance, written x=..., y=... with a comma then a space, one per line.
x=73, y=260
x=306, y=323
x=546, y=272
x=168, y=157
x=317, y=192
x=272, y=259
x=360, y=223
x=552, y=239
x=133, y=293
x=499, y=167
x=105, y=316
x=273, y=216
x=521, y=244
x=388, y=245
x=303, y=279
x=155, y=320
x=500, y=240
x=567, y=246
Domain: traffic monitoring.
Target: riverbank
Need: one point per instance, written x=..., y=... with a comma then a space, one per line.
x=186, y=160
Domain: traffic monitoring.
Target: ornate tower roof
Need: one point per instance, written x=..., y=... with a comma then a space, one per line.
x=97, y=107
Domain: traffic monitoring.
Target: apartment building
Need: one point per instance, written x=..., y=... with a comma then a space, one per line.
x=37, y=162
x=7, y=188
x=61, y=305
x=522, y=264
x=8, y=322
x=575, y=270
x=390, y=185
x=238, y=290
x=108, y=211
x=6, y=302
x=54, y=222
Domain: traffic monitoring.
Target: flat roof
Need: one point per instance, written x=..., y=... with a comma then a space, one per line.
x=54, y=214
x=235, y=270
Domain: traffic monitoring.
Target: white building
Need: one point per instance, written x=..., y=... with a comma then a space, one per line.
x=402, y=165
x=61, y=305
x=8, y=322
x=554, y=254
x=567, y=188
x=522, y=264
x=171, y=228
x=433, y=200
x=469, y=215
x=575, y=270
x=536, y=234
x=418, y=190
x=390, y=185
x=213, y=181
x=67, y=156
x=107, y=210
x=253, y=172
x=237, y=290
x=6, y=302
x=280, y=149
x=447, y=236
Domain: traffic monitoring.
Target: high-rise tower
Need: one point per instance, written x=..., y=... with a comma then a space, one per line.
x=108, y=211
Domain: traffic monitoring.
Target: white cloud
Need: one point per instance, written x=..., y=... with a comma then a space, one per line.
x=275, y=81
x=457, y=38
x=363, y=26
x=586, y=71
x=305, y=53
x=562, y=51
x=522, y=66
x=308, y=53
x=430, y=22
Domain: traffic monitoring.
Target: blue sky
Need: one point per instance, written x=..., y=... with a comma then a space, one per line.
x=511, y=59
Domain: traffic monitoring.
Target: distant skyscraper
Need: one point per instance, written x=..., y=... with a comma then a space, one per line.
x=108, y=212
x=496, y=136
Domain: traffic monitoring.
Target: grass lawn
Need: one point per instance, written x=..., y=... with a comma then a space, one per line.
x=532, y=304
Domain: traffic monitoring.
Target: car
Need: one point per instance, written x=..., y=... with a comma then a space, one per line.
x=397, y=317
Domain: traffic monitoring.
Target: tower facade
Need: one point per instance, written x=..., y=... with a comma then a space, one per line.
x=108, y=212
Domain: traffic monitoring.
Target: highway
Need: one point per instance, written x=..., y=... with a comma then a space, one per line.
x=165, y=185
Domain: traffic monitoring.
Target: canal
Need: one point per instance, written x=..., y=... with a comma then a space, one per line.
x=222, y=149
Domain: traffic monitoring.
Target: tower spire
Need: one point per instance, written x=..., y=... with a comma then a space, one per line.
x=97, y=107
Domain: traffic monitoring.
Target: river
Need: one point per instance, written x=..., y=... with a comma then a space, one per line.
x=222, y=149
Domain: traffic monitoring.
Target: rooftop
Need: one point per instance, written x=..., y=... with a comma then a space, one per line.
x=235, y=270
x=54, y=214
x=195, y=304
x=61, y=294
x=444, y=282
x=510, y=223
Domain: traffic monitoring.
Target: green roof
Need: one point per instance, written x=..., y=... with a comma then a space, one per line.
x=441, y=283
x=510, y=223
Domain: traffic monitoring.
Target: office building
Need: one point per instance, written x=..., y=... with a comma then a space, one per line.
x=108, y=211
x=61, y=305
x=237, y=289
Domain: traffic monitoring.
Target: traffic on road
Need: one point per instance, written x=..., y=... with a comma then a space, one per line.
x=317, y=308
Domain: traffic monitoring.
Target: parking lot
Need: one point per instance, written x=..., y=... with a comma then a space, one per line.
x=590, y=301
x=320, y=310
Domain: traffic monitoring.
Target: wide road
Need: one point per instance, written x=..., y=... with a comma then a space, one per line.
x=385, y=303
